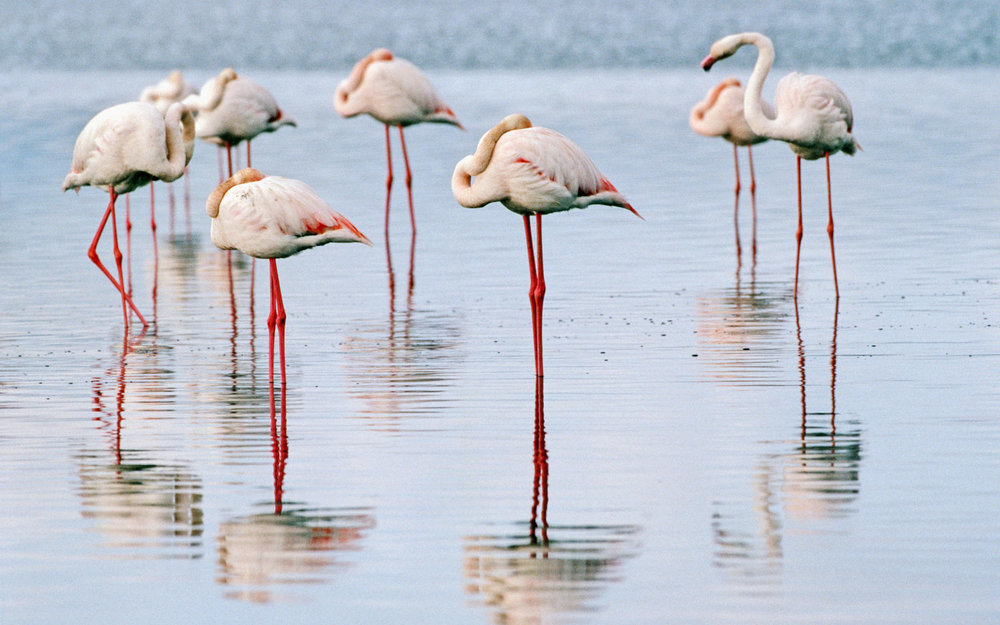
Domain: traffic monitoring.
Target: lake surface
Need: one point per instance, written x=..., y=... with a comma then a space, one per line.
x=702, y=450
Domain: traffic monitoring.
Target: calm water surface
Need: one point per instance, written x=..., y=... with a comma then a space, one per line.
x=702, y=451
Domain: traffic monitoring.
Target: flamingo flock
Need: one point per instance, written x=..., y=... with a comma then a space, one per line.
x=530, y=170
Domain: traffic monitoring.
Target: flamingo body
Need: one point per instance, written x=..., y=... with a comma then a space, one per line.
x=241, y=111
x=274, y=217
x=131, y=144
x=720, y=114
x=392, y=90
x=530, y=169
x=171, y=89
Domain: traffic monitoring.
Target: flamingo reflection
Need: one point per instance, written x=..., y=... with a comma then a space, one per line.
x=810, y=479
x=554, y=569
x=133, y=501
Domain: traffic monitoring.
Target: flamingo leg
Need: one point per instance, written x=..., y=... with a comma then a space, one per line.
x=156, y=249
x=829, y=226
x=753, y=201
x=536, y=292
x=798, y=232
x=736, y=204
x=128, y=240
x=92, y=254
x=229, y=158
x=278, y=314
x=248, y=154
x=409, y=181
x=388, y=180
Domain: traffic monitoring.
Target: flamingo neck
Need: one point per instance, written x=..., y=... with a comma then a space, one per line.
x=753, y=108
x=481, y=193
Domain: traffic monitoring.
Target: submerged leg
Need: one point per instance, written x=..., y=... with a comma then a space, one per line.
x=409, y=180
x=829, y=226
x=798, y=232
x=277, y=319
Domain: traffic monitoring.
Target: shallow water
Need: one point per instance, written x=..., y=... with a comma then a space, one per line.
x=710, y=452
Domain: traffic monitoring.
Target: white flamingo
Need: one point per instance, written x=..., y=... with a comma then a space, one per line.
x=532, y=171
x=273, y=217
x=811, y=114
x=395, y=92
x=121, y=149
x=720, y=114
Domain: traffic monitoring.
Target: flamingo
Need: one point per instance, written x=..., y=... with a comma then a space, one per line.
x=395, y=92
x=121, y=149
x=720, y=114
x=171, y=89
x=273, y=217
x=811, y=114
x=232, y=109
x=532, y=171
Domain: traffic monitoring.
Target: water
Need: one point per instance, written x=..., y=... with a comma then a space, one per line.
x=711, y=453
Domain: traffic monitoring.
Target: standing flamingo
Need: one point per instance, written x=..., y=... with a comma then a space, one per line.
x=720, y=114
x=395, y=92
x=171, y=89
x=121, y=149
x=232, y=109
x=273, y=217
x=532, y=171
x=812, y=115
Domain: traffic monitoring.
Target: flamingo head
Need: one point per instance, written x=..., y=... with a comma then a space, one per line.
x=247, y=174
x=722, y=49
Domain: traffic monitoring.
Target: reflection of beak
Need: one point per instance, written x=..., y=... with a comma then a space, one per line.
x=708, y=63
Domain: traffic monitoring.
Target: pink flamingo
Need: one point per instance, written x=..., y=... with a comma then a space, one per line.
x=395, y=92
x=273, y=217
x=532, y=171
x=720, y=114
x=811, y=114
x=121, y=149
x=171, y=89
x=232, y=109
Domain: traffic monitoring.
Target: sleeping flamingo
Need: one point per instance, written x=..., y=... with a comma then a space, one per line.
x=121, y=149
x=273, y=217
x=811, y=114
x=720, y=114
x=395, y=92
x=532, y=171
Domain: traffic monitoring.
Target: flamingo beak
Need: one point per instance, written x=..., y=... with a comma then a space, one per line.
x=708, y=62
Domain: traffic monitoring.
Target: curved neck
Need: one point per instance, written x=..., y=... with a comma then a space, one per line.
x=180, y=146
x=753, y=108
x=247, y=174
x=474, y=196
x=353, y=81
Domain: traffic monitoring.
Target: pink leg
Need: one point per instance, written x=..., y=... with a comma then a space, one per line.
x=128, y=241
x=798, y=232
x=736, y=203
x=152, y=225
x=248, y=154
x=388, y=180
x=409, y=180
x=222, y=171
x=536, y=292
x=229, y=159
x=276, y=320
x=92, y=254
x=753, y=201
x=531, y=289
x=829, y=226
x=540, y=289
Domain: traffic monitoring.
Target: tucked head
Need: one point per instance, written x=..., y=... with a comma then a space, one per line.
x=247, y=174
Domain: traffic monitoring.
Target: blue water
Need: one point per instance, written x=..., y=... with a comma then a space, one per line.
x=711, y=451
